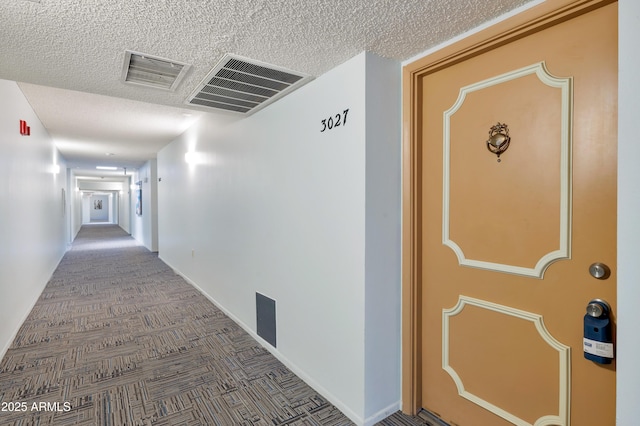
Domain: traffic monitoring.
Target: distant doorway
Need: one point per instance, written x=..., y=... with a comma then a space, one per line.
x=100, y=208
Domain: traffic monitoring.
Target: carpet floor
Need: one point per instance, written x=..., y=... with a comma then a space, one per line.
x=117, y=338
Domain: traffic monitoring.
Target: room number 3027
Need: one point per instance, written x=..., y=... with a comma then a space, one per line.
x=334, y=121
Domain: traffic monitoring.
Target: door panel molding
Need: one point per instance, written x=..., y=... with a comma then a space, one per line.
x=564, y=362
x=564, y=238
x=537, y=18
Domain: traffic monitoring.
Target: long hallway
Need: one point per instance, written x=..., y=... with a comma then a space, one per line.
x=117, y=338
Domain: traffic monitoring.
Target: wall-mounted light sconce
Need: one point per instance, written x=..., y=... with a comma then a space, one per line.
x=498, y=139
x=24, y=129
x=195, y=157
x=191, y=157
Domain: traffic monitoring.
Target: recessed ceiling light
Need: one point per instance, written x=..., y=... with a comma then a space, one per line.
x=106, y=168
x=109, y=154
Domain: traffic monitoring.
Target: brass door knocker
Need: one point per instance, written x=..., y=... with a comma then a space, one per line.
x=498, y=139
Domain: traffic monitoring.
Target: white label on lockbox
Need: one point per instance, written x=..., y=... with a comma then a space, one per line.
x=594, y=347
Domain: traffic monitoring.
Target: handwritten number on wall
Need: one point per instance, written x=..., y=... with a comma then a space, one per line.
x=334, y=121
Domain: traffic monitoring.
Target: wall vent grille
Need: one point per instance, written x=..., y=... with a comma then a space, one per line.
x=242, y=85
x=152, y=71
x=266, y=318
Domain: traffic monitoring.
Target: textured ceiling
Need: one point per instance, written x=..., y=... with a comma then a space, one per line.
x=79, y=46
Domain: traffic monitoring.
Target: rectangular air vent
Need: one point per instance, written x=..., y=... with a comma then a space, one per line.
x=152, y=71
x=266, y=318
x=243, y=85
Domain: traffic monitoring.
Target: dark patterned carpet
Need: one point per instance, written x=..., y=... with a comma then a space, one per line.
x=117, y=338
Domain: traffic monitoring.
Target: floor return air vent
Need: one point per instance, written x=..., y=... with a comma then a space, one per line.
x=242, y=85
x=266, y=318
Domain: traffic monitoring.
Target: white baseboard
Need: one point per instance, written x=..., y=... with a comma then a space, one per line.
x=290, y=365
x=382, y=414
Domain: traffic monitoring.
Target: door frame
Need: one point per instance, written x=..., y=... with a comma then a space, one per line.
x=535, y=19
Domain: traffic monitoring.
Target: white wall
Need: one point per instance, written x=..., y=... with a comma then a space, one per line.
x=278, y=207
x=33, y=223
x=382, y=264
x=70, y=207
x=628, y=391
x=145, y=228
x=76, y=206
x=86, y=207
x=124, y=207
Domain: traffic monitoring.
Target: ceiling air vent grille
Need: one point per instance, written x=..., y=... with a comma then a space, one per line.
x=243, y=85
x=152, y=71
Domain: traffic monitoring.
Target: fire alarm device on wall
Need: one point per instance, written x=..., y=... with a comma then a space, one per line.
x=24, y=129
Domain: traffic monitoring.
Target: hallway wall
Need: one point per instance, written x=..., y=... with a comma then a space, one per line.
x=309, y=218
x=33, y=217
x=628, y=379
x=144, y=228
x=76, y=205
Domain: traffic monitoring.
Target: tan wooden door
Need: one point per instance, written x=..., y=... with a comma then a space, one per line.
x=506, y=243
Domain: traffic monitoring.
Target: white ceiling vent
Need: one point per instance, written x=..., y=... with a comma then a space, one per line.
x=152, y=71
x=243, y=85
